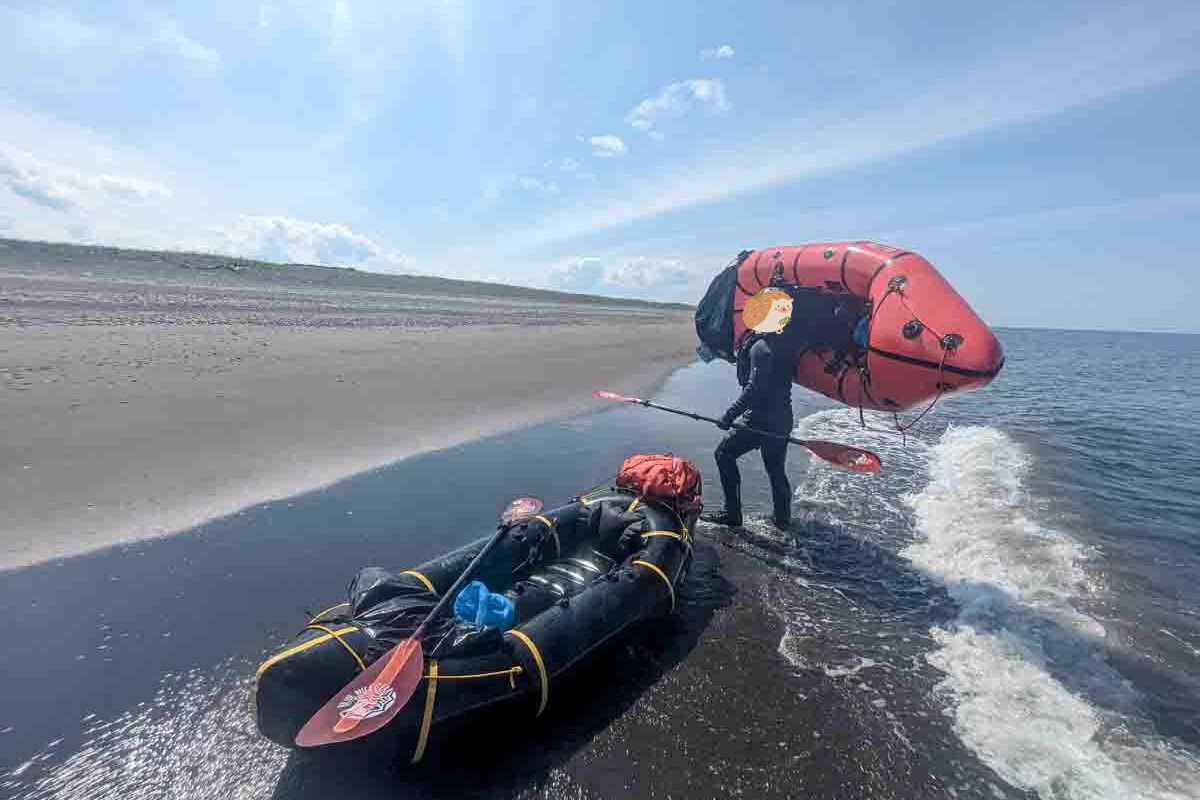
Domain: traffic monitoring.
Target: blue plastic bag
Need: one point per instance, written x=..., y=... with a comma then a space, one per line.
x=476, y=605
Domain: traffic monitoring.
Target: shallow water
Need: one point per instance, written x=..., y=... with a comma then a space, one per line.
x=1007, y=610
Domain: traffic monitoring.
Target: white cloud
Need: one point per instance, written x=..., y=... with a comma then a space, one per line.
x=1063, y=69
x=646, y=273
x=53, y=29
x=339, y=21
x=278, y=238
x=576, y=274
x=180, y=43
x=722, y=52
x=538, y=185
x=677, y=99
x=59, y=187
x=632, y=274
x=607, y=145
x=564, y=164
x=49, y=28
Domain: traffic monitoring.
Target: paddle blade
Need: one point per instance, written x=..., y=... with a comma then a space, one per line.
x=521, y=508
x=606, y=395
x=844, y=456
x=370, y=701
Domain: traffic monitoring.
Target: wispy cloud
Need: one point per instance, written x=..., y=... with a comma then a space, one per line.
x=55, y=29
x=1061, y=70
x=339, y=21
x=58, y=187
x=607, y=145
x=171, y=37
x=677, y=99
x=722, y=52
x=49, y=27
x=564, y=164
x=1053, y=222
x=538, y=185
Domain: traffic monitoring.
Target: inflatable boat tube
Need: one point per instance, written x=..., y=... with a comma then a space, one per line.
x=923, y=339
x=579, y=576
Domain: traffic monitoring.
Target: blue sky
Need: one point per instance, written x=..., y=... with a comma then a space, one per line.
x=1043, y=156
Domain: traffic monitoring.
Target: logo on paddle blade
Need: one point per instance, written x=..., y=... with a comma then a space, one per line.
x=366, y=702
x=858, y=460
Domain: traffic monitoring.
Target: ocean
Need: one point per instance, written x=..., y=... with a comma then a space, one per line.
x=1010, y=609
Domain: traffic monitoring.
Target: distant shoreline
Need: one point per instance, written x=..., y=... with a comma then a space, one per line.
x=186, y=266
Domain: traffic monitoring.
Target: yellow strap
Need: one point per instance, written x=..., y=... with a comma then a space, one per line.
x=326, y=611
x=427, y=718
x=541, y=665
x=672, y=534
x=553, y=528
x=634, y=504
x=275, y=659
x=662, y=575
x=517, y=670
x=338, y=637
x=428, y=583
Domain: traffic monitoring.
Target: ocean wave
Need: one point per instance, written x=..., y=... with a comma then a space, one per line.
x=1026, y=682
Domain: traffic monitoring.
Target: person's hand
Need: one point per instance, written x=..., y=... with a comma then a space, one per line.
x=725, y=423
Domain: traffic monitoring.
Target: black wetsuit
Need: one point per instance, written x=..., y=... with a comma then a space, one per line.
x=765, y=374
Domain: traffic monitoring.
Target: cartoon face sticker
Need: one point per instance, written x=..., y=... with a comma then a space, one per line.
x=768, y=311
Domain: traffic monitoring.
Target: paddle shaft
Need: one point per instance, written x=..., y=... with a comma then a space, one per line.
x=717, y=422
x=401, y=653
x=458, y=584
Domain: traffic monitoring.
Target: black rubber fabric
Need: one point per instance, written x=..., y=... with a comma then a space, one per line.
x=579, y=575
x=714, y=314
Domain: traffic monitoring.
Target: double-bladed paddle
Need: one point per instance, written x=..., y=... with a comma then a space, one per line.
x=840, y=455
x=377, y=694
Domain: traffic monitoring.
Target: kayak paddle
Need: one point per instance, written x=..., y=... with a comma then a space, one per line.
x=377, y=694
x=840, y=455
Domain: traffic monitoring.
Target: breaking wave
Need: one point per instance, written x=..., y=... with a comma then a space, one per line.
x=1026, y=681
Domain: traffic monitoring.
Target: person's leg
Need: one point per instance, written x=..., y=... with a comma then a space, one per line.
x=731, y=448
x=774, y=456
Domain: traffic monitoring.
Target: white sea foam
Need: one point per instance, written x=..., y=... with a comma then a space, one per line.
x=1025, y=678
x=194, y=739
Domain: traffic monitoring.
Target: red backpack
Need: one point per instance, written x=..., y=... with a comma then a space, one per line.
x=668, y=479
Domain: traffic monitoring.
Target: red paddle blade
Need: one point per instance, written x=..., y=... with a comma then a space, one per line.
x=520, y=509
x=845, y=456
x=370, y=701
x=606, y=395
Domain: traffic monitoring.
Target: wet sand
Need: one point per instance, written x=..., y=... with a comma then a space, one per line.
x=144, y=393
x=159, y=640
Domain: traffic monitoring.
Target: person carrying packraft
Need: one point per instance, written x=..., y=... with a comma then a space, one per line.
x=764, y=371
